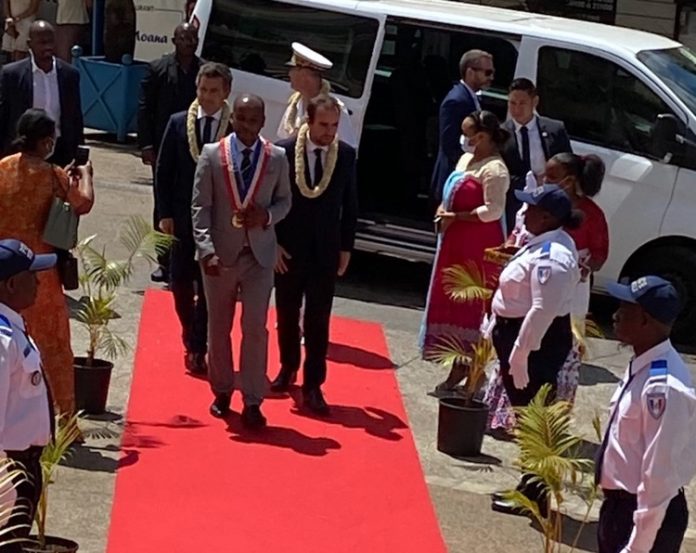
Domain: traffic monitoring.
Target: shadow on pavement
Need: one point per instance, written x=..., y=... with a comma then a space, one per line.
x=358, y=357
x=90, y=458
x=570, y=528
x=590, y=375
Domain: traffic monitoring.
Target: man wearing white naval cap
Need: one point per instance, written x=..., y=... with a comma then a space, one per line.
x=306, y=68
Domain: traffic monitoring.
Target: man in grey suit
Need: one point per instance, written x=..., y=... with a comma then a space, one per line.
x=241, y=190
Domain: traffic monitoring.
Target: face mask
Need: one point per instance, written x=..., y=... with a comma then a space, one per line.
x=53, y=149
x=466, y=145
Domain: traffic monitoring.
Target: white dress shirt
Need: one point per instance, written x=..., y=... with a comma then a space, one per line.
x=46, y=92
x=537, y=157
x=24, y=411
x=312, y=157
x=214, y=127
x=345, y=127
x=651, y=447
x=538, y=285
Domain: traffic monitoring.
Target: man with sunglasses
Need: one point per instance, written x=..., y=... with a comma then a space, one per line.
x=477, y=72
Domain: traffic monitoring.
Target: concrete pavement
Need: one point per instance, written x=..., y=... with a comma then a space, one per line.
x=80, y=500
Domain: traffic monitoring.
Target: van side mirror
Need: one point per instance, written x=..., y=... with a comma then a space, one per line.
x=665, y=136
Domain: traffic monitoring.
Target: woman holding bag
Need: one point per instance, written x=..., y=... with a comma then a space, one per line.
x=28, y=187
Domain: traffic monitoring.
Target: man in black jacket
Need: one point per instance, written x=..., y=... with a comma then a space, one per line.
x=533, y=140
x=315, y=242
x=207, y=120
x=168, y=87
x=45, y=82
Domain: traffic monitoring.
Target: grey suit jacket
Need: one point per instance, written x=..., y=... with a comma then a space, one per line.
x=212, y=211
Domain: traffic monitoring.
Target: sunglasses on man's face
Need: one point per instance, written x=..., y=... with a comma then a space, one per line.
x=486, y=72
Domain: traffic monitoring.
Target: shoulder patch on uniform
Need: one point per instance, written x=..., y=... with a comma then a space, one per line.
x=657, y=402
x=543, y=274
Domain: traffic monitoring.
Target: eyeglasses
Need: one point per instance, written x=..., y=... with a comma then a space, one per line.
x=486, y=72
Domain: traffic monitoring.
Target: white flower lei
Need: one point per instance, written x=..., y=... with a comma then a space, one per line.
x=191, y=120
x=331, y=158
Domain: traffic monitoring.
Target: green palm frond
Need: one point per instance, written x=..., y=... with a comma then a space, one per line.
x=449, y=350
x=465, y=283
x=593, y=330
x=112, y=344
x=139, y=240
x=11, y=476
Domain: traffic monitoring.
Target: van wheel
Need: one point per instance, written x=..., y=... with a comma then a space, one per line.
x=678, y=265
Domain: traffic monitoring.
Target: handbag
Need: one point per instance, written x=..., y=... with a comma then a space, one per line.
x=61, y=227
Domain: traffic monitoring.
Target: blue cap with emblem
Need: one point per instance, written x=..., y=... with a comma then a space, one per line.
x=657, y=296
x=17, y=257
x=549, y=197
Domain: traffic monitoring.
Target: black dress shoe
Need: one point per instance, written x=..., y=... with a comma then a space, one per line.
x=160, y=275
x=314, y=401
x=221, y=406
x=509, y=507
x=252, y=417
x=500, y=496
x=282, y=382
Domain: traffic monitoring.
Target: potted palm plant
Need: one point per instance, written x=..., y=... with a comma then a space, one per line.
x=462, y=420
x=549, y=453
x=67, y=432
x=100, y=281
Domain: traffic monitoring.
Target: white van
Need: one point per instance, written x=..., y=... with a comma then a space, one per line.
x=628, y=96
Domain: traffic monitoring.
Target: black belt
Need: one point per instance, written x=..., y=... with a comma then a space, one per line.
x=32, y=453
x=623, y=495
x=508, y=320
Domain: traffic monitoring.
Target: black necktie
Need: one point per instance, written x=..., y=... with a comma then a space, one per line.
x=318, y=168
x=526, y=159
x=599, y=458
x=246, y=168
x=208, y=129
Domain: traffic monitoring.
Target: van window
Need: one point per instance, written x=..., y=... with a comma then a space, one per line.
x=599, y=101
x=417, y=67
x=255, y=36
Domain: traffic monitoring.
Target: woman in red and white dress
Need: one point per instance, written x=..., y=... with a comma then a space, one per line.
x=470, y=221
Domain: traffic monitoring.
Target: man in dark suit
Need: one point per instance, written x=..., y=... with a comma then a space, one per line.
x=477, y=72
x=209, y=117
x=533, y=140
x=45, y=82
x=168, y=87
x=315, y=242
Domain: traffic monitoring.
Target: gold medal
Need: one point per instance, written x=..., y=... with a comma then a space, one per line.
x=237, y=221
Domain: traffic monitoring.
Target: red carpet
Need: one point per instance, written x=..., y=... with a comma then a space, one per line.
x=190, y=483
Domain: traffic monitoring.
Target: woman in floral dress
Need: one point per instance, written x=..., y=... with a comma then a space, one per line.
x=581, y=177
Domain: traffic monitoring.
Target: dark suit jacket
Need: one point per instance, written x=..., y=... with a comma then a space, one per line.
x=160, y=97
x=17, y=96
x=316, y=230
x=554, y=140
x=174, y=176
x=458, y=103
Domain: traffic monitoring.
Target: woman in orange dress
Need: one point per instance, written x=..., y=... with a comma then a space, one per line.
x=27, y=185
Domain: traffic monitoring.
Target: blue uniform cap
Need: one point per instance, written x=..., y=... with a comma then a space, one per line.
x=657, y=296
x=16, y=257
x=549, y=197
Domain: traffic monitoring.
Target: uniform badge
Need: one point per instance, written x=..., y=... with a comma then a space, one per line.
x=36, y=378
x=638, y=285
x=543, y=273
x=657, y=402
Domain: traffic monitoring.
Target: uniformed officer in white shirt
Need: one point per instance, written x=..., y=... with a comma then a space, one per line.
x=26, y=410
x=306, y=68
x=531, y=308
x=648, y=453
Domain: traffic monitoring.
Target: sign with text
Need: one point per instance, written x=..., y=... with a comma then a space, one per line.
x=154, y=27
